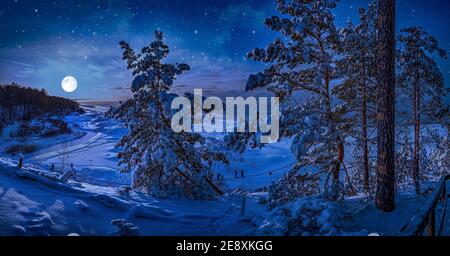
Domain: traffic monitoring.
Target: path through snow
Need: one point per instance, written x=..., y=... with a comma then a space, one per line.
x=32, y=205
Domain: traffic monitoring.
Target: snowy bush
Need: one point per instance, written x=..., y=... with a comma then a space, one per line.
x=125, y=228
x=304, y=217
x=434, y=155
x=293, y=186
x=436, y=162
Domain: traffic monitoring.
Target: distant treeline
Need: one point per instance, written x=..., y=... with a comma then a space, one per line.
x=21, y=103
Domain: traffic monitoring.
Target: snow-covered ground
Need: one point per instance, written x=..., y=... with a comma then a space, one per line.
x=33, y=203
x=89, y=203
x=30, y=205
x=94, y=155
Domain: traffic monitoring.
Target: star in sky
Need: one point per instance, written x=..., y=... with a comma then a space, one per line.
x=47, y=40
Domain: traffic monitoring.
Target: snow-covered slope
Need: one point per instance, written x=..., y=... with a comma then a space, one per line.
x=34, y=202
x=31, y=204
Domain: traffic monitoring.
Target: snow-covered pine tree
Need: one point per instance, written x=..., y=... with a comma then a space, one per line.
x=420, y=78
x=357, y=89
x=161, y=161
x=403, y=157
x=303, y=59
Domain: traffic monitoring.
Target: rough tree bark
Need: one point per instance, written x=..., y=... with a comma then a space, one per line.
x=416, y=106
x=364, y=131
x=385, y=193
x=340, y=160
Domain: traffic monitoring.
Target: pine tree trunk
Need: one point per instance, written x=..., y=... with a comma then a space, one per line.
x=385, y=194
x=340, y=159
x=364, y=132
x=327, y=96
x=416, y=132
x=340, y=148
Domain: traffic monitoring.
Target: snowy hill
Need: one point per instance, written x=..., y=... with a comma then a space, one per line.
x=33, y=201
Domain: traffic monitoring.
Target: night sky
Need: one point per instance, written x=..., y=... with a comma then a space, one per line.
x=43, y=41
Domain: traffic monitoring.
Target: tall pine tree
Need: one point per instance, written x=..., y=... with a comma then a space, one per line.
x=385, y=193
x=357, y=90
x=161, y=161
x=420, y=78
x=303, y=60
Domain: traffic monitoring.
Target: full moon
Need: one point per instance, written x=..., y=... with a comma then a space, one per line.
x=69, y=84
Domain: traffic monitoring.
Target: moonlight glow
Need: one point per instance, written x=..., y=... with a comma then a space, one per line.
x=69, y=84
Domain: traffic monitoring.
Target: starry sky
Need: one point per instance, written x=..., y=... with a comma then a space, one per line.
x=43, y=41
